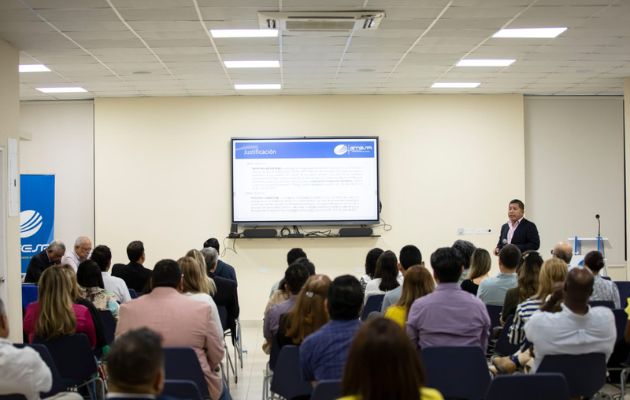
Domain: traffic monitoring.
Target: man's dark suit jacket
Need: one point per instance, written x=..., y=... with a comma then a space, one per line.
x=225, y=270
x=135, y=276
x=525, y=236
x=227, y=296
x=36, y=267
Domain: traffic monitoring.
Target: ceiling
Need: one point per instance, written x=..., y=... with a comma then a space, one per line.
x=117, y=48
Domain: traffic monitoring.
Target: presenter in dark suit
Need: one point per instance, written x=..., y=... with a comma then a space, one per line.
x=518, y=231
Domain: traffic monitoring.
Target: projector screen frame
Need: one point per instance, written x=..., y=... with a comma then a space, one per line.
x=312, y=223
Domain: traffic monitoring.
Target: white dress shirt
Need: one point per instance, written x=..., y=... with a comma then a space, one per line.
x=71, y=259
x=23, y=371
x=512, y=227
x=117, y=286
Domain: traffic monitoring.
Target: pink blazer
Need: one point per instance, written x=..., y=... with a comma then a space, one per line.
x=84, y=321
x=182, y=322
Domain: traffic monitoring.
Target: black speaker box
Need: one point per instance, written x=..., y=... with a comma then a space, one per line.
x=355, y=232
x=260, y=233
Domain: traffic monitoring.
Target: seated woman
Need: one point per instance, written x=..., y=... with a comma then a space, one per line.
x=54, y=314
x=480, y=264
x=381, y=343
x=89, y=277
x=528, y=271
x=196, y=254
x=418, y=282
x=308, y=314
x=603, y=290
x=370, y=266
x=385, y=276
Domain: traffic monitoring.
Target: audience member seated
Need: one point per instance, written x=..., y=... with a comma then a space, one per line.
x=418, y=282
x=448, y=316
x=466, y=250
x=180, y=320
x=563, y=251
x=227, y=295
x=90, y=279
x=135, y=275
x=577, y=328
x=223, y=269
x=102, y=256
x=409, y=255
x=294, y=277
x=39, y=262
x=323, y=353
x=528, y=271
x=603, y=290
x=135, y=366
x=492, y=290
x=382, y=365
x=195, y=284
x=308, y=314
x=370, y=266
x=199, y=258
x=385, y=276
x=276, y=297
x=54, y=314
x=80, y=253
x=480, y=264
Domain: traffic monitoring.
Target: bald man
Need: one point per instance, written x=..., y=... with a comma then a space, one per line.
x=80, y=253
x=563, y=251
x=577, y=328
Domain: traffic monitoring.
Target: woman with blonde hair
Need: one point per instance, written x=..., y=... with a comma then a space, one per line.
x=201, y=262
x=480, y=264
x=308, y=314
x=418, y=282
x=55, y=314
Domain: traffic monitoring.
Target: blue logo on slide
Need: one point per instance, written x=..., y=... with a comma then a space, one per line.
x=305, y=149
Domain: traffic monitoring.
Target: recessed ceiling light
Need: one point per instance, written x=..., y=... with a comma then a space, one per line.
x=243, y=33
x=252, y=64
x=258, y=86
x=529, y=33
x=33, y=68
x=62, y=90
x=485, y=62
x=455, y=85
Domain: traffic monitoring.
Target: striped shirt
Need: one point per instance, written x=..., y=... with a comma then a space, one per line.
x=524, y=311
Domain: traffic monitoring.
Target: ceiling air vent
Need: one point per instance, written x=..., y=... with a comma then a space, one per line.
x=320, y=21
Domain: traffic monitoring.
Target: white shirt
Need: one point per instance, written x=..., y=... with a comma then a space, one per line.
x=205, y=298
x=71, y=259
x=512, y=227
x=23, y=371
x=117, y=286
x=565, y=332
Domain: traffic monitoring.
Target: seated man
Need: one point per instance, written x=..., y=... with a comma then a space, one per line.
x=492, y=290
x=577, y=328
x=323, y=353
x=103, y=257
x=223, y=269
x=227, y=294
x=135, y=365
x=80, y=253
x=449, y=316
x=181, y=320
x=563, y=251
x=135, y=275
x=39, y=262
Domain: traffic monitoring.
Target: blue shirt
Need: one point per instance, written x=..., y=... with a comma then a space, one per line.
x=323, y=353
x=492, y=290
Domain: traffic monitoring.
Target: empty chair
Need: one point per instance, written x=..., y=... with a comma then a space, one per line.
x=585, y=373
x=181, y=389
x=109, y=325
x=373, y=303
x=327, y=390
x=495, y=315
x=457, y=372
x=287, y=380
x=29, y=294
x=181, y=363
x=602, y=303
x=542, y=386
x=57, y=381
x=624, y=292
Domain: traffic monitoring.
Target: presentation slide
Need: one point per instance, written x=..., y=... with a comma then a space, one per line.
x=305, y=180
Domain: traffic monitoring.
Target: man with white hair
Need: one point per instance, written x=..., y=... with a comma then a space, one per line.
x=39, y=262
x=226, y=295
x=80, y=253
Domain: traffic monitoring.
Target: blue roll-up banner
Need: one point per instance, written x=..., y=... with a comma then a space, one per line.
x=37, y=214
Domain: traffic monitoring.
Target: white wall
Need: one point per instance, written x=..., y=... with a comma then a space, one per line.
x=61, y=144
x=575, y=169
x=162, y=173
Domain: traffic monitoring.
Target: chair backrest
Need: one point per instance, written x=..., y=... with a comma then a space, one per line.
x=132, y=293
x=495, y=315
x=29, y=294
x=373, y=303
x=223, y=316
x=287, y=380
x=73, y=357
x=503, y=346
x=624, y=292
x=181, y=363
x=327, y=390
x=599, y=303
x=274, y=352
x=457, y=372
x=12, y=397
x=543, y=386
x=585, y=373
x=57, y=380
x=621, y=318
x=181, y=389
x=109, y=325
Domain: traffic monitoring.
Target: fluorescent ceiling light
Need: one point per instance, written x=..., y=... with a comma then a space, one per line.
x=252, y=64
x=258, y=86
x=485, y=62
x=62, y=90
x=33, y=68
x=529, y=33
x=243, y=33
x=455, y=85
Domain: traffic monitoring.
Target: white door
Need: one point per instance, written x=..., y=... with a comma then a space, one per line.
x=3, y=229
